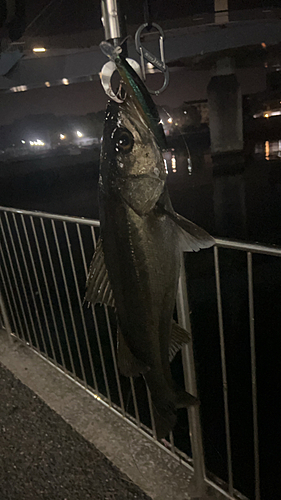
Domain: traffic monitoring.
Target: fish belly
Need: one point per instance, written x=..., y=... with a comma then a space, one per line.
x=142, y=260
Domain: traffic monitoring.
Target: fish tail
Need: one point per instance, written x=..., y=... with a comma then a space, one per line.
x=165, y=419
x=164, y=414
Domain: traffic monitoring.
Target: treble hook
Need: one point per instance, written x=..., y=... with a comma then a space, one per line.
x=145, y=54
x=106, y=74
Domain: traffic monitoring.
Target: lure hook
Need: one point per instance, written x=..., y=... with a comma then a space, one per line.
x=106, y=74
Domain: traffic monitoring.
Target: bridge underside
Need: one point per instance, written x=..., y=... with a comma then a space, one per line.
x=248, y=43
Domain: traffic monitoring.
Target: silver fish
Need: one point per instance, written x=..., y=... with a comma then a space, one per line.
x=136, y=264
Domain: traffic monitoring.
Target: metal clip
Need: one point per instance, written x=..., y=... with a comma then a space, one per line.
x=148, y=56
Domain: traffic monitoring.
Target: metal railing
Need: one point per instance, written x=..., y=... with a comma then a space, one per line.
x=44, y=260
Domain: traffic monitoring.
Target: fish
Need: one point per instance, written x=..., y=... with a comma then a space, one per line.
x=136, y=265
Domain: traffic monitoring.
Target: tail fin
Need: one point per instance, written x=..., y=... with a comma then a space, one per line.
x=165, y=420
x=185, y=399
x=165, y=416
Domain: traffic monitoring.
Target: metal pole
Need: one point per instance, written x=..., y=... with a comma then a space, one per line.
x=191, y=386
x=5, y=317
x=224, y=373
x=113, y=21
x=254, y=374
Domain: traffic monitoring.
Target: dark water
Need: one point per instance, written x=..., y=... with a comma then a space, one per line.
x=235, y=201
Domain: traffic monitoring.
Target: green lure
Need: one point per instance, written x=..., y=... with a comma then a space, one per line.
x=138, y=92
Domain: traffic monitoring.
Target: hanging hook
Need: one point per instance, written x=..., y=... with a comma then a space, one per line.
x=148, y=56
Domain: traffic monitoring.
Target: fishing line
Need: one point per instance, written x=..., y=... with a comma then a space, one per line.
x=38, y=16
x=147, y=14
x=46, y=18
x=189, y=161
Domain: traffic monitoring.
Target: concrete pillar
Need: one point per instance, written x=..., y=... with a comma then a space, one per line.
x=230, y=206
x=225, y=110
x=221, y=11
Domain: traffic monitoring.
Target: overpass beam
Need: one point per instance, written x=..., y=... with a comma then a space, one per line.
x=225, y=110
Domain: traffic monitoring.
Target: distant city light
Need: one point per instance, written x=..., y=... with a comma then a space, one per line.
x=20, y=88
x=170, y=120
x=22, y=141
x=39, y=49
x=38, y=142
x=47, y=84
x=62, y=136
x=65, y=81
x=79, y=133
x=268, y=114
x=266, y=148
x=263, y=45
x=174, y=163
x=184, y=112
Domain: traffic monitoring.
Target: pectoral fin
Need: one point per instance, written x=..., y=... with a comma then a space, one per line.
x=98, y=288
x=192, y=237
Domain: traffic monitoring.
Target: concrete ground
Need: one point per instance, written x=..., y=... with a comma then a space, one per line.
x=59, y=442
x=43, y=457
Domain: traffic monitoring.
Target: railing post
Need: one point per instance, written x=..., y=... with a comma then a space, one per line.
x=5, y=318
x=191, y=387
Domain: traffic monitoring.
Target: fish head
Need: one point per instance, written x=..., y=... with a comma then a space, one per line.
x=132, y=164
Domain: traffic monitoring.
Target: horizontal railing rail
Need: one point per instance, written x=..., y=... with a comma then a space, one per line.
x=44, y=260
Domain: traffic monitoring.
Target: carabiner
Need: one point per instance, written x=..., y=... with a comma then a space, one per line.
x=148, y=56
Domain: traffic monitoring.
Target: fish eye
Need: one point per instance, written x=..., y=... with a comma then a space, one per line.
x=124, y=140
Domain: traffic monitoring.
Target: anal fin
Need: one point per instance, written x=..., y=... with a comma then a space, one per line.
x=98, y=287
x=179, y=337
